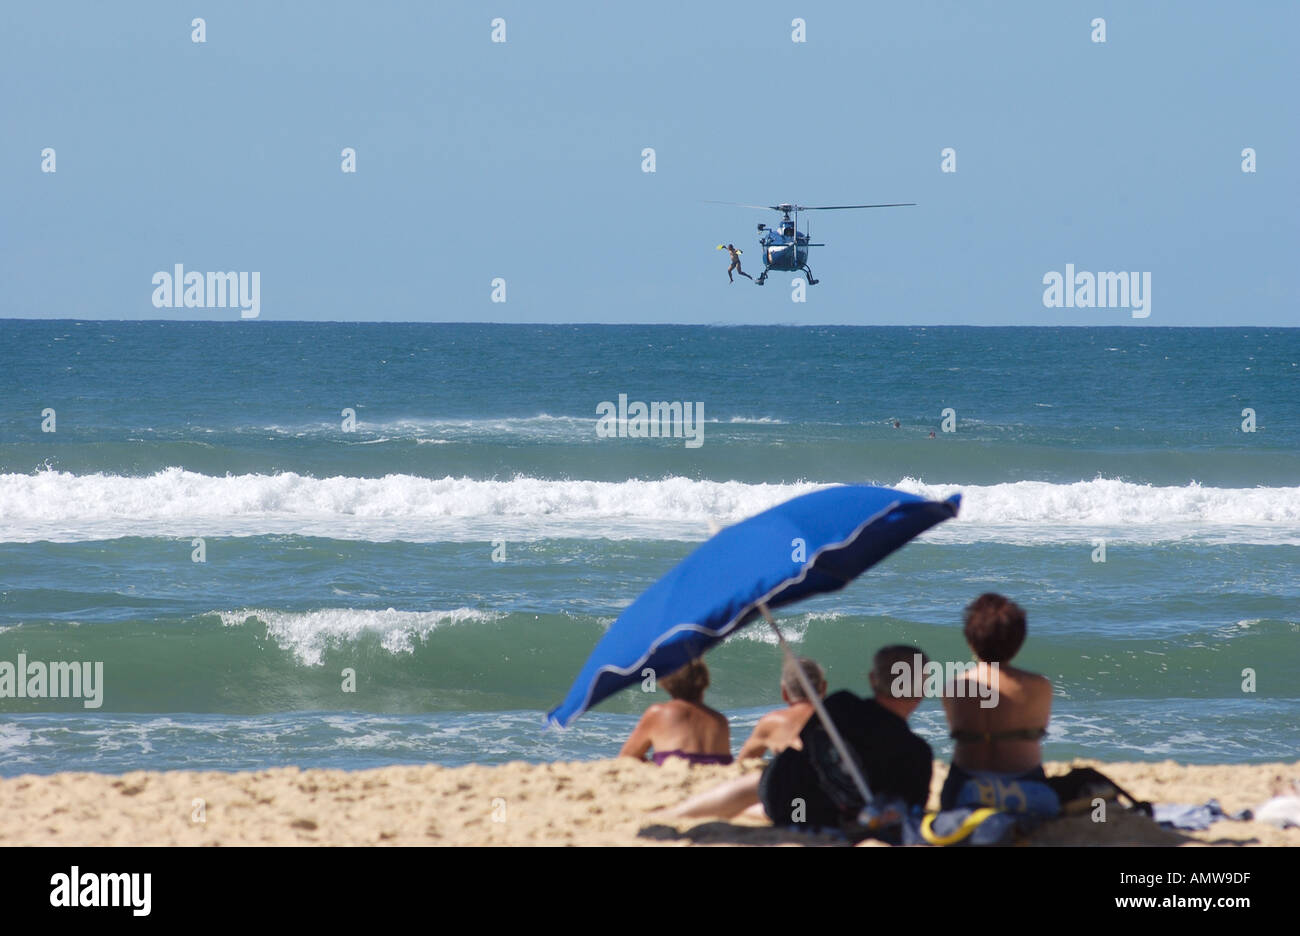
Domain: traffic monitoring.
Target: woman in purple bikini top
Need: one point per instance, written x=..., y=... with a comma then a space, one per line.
x=684, y=727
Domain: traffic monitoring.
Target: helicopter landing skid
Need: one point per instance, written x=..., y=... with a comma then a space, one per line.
x=762, y=277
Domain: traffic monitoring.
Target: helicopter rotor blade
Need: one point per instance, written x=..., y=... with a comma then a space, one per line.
x=842, y=207
x=786, y=209
x=738, y=205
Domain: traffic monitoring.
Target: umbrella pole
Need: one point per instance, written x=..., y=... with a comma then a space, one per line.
x=850, y=764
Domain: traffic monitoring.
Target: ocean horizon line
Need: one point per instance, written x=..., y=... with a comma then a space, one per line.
x=673, y=325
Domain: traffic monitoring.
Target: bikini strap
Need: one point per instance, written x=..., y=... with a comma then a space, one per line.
x=988, y=737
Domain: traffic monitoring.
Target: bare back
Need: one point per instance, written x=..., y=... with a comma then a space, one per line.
x=677, y=725
x=1005, y=736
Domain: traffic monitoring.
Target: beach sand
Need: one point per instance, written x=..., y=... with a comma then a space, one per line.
x=588, y=803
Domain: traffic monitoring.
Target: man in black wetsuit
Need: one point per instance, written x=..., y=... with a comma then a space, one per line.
x=810, y=786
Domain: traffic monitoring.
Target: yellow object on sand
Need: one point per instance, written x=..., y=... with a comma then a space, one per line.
x=969, y=824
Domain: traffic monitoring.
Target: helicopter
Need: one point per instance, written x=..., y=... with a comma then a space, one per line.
x=785, y=248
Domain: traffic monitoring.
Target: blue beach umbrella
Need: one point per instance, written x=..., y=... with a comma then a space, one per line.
x=811, y=544
x=814, y=543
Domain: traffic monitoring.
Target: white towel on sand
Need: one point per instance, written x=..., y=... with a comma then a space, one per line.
x=1281, y=811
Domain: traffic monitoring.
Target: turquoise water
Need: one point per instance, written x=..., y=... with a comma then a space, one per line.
x=372, y=550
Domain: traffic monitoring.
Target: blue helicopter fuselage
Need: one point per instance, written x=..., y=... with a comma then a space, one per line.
x=784, y=251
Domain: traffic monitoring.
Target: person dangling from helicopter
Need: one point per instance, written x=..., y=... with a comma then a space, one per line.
x=735, y=262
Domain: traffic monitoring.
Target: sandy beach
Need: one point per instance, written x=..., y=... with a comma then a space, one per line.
x=608, y=802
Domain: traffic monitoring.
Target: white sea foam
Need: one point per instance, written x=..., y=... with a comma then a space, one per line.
x=307, y=634
x=543, y=425
x=794, y=627
x=15, y=739
x=1132, y=512
x=451, y=430
x=58, y=506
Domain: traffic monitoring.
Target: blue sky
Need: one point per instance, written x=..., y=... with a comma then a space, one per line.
x=523, y=160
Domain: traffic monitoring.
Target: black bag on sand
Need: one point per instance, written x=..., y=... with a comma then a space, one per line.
x=1078, y=788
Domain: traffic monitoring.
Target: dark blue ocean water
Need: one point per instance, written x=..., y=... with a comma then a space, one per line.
x=369, y=546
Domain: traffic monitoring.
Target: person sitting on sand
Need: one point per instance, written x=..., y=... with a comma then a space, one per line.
x=806, y=785
x=684, y=727
x=780, y=729
x=998, y=757
x=810, y=785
